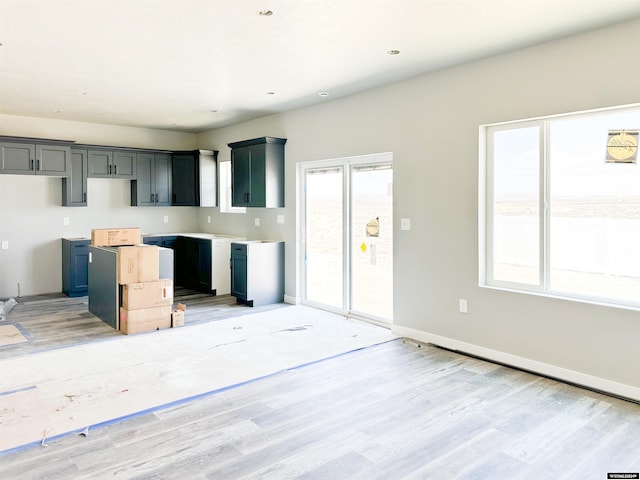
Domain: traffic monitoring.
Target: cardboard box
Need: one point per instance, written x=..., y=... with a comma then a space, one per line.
x=145, y=319
x=177, y=318
x=147, y=294
x=115, y=237
x=138, y=264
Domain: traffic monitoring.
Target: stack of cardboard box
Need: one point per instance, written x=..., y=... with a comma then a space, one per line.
x=145, y=299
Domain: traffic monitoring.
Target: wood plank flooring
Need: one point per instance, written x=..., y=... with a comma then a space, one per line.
x=392, y=411
x=55, y=320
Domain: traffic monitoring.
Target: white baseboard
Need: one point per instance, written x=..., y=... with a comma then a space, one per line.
x=292, y=300
x=560, y=373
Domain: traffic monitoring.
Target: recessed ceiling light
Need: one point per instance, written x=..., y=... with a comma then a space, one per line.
x=393, y=52
x=265, y=13
x=322, y=93
x=271, y=93
x=82, y=93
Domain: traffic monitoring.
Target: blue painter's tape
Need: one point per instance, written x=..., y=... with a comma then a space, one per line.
x=9, y=392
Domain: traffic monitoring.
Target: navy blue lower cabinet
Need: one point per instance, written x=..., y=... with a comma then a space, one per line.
x=75, y=266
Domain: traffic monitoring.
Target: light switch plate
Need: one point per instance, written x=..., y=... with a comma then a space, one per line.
x=5, y=245
x=208, y=218
x=280, y=219
x=166, y=219
x=405, y=224
x=256, y=222
x=65, y=220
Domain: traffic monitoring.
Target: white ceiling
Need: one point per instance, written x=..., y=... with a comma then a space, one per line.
x=193, y=65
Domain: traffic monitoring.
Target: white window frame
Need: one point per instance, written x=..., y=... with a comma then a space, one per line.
x=224, y=176
x=486, y=212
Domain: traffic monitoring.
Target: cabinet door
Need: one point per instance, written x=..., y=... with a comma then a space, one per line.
x=162, y=179
x=74, y=187
x=124, y=165
x=258, y=178
x=99, y=162
x=239, y=275
x=184, y=180
x=80, y=268
x=241, y=177
x=53, y=160
x=142, y=188
x=17, y=158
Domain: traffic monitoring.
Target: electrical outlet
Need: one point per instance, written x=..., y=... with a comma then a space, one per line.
x=256, y=222
x=405, y=224
x=463, y=305
x=280, y=219
x=5, y=245
x=166, y=219
x=65, y=220
x=208, y=218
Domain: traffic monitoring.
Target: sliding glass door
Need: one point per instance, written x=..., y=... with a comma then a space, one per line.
x=348, y=236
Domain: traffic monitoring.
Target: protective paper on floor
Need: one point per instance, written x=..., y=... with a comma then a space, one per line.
x=15, y=407
x=88, y=384
x=10, y=335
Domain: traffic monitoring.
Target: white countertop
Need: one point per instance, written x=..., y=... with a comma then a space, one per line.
x=209, y=236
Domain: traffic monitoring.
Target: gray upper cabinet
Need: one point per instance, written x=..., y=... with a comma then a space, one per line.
x=111, y=164
x=35, y=158
x=257, y=171
x=152, y=186
x=74, y=187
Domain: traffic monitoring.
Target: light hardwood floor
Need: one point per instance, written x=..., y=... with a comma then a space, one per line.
x=55, y=320
x=392, y=411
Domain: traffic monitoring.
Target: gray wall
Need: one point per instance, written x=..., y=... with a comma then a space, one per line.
x=430, y=123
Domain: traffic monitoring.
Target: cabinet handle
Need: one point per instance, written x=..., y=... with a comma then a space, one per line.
x=115, y=169
x=156, y=198
x=246, y=198
x=151, y=198
x=109, y=169
x=173, y=198
x=31, y=164
x=84, y=197
x=38, y=165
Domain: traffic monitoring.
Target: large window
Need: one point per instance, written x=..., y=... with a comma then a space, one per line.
x=561, y=200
